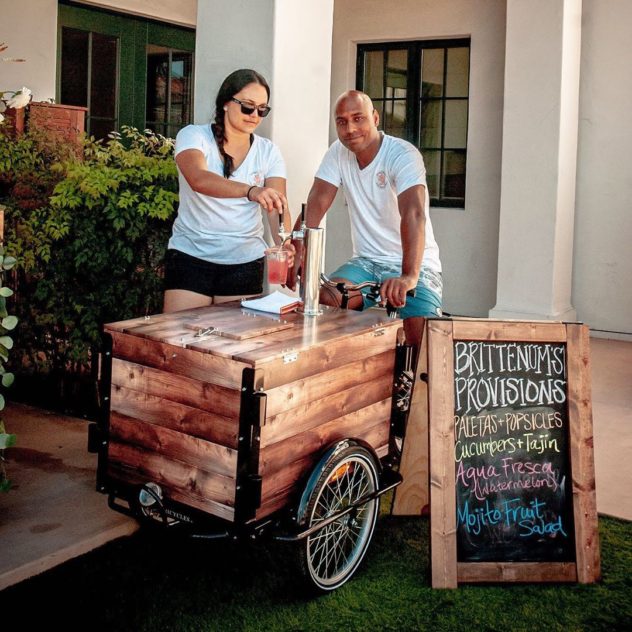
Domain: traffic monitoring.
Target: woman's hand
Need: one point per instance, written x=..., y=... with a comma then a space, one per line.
x=269, y=199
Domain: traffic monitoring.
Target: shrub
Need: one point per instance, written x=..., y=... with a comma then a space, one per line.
x=89, y=234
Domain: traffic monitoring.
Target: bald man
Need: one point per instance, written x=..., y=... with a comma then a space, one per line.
x=383, y=179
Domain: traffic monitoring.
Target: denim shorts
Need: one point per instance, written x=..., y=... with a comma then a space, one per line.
x=427, y=299
x=184, y=272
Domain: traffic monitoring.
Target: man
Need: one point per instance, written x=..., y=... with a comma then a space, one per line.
x=384, y=182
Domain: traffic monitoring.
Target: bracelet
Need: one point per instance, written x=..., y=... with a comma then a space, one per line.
x=254, y=186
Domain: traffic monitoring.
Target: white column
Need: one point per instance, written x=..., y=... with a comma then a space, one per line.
x=540, y=128
x=289, y=43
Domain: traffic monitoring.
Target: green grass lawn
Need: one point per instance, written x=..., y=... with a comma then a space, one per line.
x=153, y=581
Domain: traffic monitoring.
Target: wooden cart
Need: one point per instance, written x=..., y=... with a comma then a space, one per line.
x=227, y=417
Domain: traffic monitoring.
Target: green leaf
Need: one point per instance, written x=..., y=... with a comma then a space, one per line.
x=9, y=322
x=2, y=402
x=6, y=441
x=9, y=262
x=8, y=379
x=6, y=341
x=6, y=291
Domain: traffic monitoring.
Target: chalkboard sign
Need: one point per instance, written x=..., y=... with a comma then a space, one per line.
x=513, y=483
x=511, y=464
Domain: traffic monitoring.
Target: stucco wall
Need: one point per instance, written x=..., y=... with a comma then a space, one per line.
x=35, y=41
x=602, y=270
x=468, y=239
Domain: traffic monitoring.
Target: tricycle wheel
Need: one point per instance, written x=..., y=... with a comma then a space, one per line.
x=330, y=556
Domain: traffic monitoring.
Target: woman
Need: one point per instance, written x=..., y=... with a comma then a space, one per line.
x=226, y=175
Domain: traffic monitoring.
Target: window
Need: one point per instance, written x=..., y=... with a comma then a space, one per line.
x=421, y=91
x=125, y=70
x=169, y=74
x=88, y=77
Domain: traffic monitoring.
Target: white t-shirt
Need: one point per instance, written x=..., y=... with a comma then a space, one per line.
x=371, y=195
x=223, y=230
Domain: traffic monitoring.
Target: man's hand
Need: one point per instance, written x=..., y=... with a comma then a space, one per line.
x=295, y=268
x=291, y=251
x=394, y=290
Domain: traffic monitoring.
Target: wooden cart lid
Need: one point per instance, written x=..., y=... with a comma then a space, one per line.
x=228, y=330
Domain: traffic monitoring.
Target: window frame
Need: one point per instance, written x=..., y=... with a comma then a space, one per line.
x=133, y=34
x=413, y=95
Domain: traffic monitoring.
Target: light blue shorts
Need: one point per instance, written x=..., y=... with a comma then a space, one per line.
x=427, y=299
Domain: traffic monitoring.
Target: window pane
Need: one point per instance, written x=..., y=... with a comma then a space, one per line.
x=453, y=181
x=430, y=124
x=157, y=73
x=458, y=75
x=455, y=124
x=74, y=67
x=181, y=72
x=432, y=161
x=395, y=118
x=103, y=80
x=396, y=72
x=374, y=73
x=432, y=72
x=379, y=106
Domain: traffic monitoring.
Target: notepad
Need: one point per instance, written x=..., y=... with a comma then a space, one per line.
x=275, y=303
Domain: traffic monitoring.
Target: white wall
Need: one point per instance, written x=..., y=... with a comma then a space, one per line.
x=468, y=239
x=602, y=272
x=32, y=39
x=289, y=43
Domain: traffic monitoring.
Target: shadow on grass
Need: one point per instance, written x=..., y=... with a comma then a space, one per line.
x=153, y=581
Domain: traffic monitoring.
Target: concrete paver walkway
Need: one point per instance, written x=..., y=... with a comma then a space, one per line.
x=54, y=512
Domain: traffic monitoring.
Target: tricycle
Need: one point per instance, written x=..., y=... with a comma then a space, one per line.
x=226, y=422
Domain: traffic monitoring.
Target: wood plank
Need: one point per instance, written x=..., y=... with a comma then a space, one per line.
x=315, y=440
x=442, y=470
x=204, y=455
x=412, y=497
x=507, y=330
x=370, y=400
x=241, y=327
x=183, y=477
x=301, y=392
x=517, y=572
x=200, y=366
x=177, y=388
x=588, y=555
x=325, y=357
x=128, y=477
x=185, y=419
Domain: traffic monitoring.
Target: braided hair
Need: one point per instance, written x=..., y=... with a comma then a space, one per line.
x=229, y=88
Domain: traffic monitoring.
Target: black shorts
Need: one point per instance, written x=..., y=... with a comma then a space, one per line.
x=184, y=272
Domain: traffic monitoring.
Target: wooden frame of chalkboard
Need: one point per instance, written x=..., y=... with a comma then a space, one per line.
x=512, y=485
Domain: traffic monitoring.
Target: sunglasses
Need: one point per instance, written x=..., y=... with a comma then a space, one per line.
x=246, y=108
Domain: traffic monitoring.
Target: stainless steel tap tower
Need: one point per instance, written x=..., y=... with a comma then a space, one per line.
x=313, y=240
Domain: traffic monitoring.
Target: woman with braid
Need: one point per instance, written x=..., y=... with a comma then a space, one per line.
x=227, y=174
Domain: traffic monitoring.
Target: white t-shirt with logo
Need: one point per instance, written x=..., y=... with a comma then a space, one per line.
x=223, y=230
x=371, y=195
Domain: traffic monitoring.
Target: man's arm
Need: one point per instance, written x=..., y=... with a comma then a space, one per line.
x=319, y=199
x=413, y=234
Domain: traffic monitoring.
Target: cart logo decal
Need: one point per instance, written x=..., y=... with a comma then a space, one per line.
x=380, y=179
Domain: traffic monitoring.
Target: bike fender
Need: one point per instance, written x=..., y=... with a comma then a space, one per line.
x=330, y=453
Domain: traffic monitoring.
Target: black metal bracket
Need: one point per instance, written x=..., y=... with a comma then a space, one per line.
x=404, y=380
x=99, y=432
x=252, y=415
